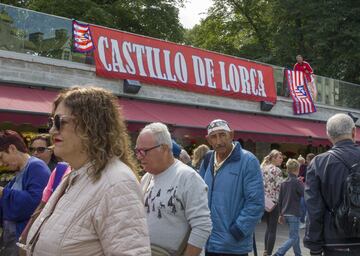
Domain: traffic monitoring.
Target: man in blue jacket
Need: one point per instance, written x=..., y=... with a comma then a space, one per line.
x=20, y=197
x=236, y=195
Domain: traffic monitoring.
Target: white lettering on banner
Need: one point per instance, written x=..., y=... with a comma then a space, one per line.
x=234, y=78
x=261, y=85
x=181, y=68
x=169, y=75
x=150, y=65
x=199, y=70
x=210, y=72
x=140, y=50
x=251, y=82
x=164, y=64
x=159, y=73
x=244, y=76
x=130, y=68
x=116, y=58
x=224, y=84
x=103, y=40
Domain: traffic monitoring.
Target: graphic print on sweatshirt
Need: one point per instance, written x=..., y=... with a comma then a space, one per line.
x=163, y=201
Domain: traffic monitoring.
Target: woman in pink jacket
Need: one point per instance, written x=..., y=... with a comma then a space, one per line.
x=97, y=209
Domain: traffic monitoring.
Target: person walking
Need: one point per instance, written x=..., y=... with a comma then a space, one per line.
x=325, y=190
x=175, y=196
x=291, y=192
x=236, y=193
x=97, y=209
x=20, y=197
x=272, y=177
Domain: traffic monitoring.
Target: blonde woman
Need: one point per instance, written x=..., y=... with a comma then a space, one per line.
x=198, y=156
x=272, y=177
x=98, y=208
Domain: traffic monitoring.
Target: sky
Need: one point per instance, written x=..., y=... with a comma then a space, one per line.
x=193, y=11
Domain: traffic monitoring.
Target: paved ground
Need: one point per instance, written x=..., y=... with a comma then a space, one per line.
x=282, y=235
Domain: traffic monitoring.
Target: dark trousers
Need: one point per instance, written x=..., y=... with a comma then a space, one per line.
x=342, y=251
x=271, y=219
x=224, y=254
x=8, y=240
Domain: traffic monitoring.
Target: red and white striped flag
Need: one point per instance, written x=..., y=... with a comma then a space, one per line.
x=82, y=37
x=302, y=101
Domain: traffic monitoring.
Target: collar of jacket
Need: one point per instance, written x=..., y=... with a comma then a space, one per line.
x=343, y=143
x=235, y=155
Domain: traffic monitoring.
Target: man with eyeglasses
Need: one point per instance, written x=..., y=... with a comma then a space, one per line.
x=175, y=196
x=236, y=193
x=20, y=197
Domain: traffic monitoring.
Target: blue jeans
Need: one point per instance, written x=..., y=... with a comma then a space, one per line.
x=294, y=240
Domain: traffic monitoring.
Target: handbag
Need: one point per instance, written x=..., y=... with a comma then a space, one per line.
x=269, y=204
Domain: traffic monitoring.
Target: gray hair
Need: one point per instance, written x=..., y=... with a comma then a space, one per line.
x=339, y=125
x=160, y=132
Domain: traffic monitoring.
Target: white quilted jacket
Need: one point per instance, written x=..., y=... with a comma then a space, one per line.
x=102, y=218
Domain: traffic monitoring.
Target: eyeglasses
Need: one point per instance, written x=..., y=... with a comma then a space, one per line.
x=142, y=151
x=38, y=149
x=58, y=121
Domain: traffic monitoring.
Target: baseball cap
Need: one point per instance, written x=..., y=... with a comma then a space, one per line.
x=218, y=124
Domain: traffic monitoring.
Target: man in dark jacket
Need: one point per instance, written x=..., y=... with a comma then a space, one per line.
x=324, y=190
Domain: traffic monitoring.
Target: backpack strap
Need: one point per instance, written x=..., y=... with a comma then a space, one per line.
x=61, y=168
x=337, y=156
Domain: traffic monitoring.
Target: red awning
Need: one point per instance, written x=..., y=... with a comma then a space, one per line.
x=30, y=105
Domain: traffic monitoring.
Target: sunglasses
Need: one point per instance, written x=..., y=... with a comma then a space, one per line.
x=142, y=152
x=38, y=149
x=58, y=121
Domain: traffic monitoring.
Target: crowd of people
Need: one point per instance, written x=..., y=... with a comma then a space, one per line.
x=77, y=190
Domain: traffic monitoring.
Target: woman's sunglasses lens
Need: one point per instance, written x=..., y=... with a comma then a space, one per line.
x=54, y=121
x=57, y=121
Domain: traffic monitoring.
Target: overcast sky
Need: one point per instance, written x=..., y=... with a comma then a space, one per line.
x=193, y=11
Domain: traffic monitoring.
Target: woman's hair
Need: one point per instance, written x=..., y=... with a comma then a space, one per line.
x=45, y=137
x=100, y=125
x=301, y=159
x=309, y=157
x=198, y=155
x=292, y=165
x=270, y=157
x=9, y=137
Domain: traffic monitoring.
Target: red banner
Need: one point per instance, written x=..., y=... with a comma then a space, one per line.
x=122, y=55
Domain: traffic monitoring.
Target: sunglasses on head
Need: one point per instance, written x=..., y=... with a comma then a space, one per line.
x=58, y=121
x=38, y=149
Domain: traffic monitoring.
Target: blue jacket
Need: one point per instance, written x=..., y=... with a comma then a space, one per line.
x=17, y=205
x=236, y=202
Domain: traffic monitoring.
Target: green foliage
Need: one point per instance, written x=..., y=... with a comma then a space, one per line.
x=156, y=18
x=326, y=33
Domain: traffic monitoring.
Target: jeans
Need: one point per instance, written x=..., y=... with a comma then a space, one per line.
x=271, y=219
x=8, y=241
x=294, y=240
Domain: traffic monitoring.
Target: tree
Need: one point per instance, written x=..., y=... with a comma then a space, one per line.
x=156, y=18
x=326, y=33
x=236, y=28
